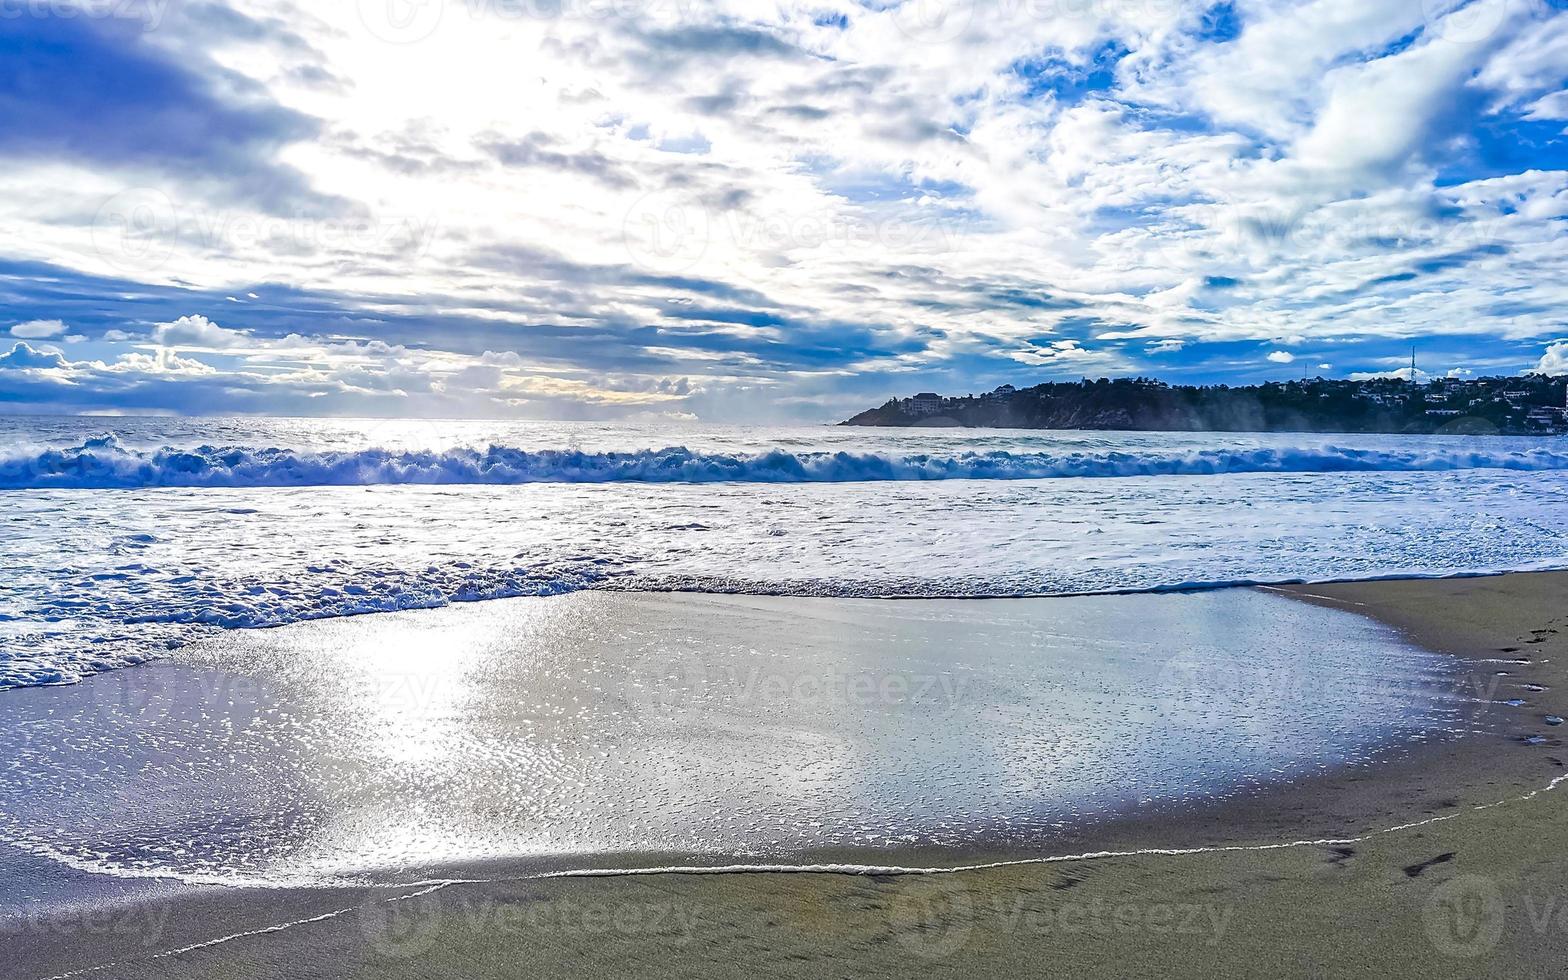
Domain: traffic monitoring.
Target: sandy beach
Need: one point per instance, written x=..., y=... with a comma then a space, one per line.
x=1444, y=861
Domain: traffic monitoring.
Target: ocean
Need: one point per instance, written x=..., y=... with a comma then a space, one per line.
x=126, y=538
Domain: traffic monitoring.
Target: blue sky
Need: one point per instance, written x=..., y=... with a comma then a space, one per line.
x=733, y=211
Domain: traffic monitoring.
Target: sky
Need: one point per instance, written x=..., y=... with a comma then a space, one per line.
x=751, y=212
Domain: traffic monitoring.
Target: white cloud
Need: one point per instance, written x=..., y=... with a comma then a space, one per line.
x=1531, y=63
x=890, y=195
x=1553, y=106
x=1379, y=114
x=197, y=331
x=1403, y=374
x=1554, y=361
x=161, y=361
x=38, y=329
x=24, y=357
x=1270, y=78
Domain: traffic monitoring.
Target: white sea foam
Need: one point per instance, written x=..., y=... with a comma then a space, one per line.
x=103, y=463
x=195, y=539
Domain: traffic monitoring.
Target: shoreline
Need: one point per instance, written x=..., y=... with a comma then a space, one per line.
x=1484, y=620
x=1288, y=586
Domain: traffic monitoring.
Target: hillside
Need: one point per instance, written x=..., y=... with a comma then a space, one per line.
x=1531, y=404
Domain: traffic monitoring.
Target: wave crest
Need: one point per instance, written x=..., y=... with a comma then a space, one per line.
x=102, y=463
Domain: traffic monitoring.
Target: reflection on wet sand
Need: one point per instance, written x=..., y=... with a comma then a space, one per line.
x=582, y=727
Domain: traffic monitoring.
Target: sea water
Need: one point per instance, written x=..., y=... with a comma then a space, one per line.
x=125, y=539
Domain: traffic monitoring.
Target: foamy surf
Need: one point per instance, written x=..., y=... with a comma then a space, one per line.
x=103, y=463
x=121, y=546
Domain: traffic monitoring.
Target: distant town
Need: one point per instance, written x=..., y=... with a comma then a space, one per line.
x=1519, y=405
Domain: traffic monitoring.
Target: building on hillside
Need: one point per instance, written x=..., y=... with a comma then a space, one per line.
x=925, y=403
x=1549, y=417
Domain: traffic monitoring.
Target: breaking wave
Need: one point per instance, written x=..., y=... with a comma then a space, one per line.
x=103, y=463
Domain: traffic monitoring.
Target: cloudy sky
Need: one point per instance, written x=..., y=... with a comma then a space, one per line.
x=752, y=211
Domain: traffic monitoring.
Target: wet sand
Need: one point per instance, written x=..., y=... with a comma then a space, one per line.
x=1471, y=889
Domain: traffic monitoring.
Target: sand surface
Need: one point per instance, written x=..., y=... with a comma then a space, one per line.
x=1451, y=862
